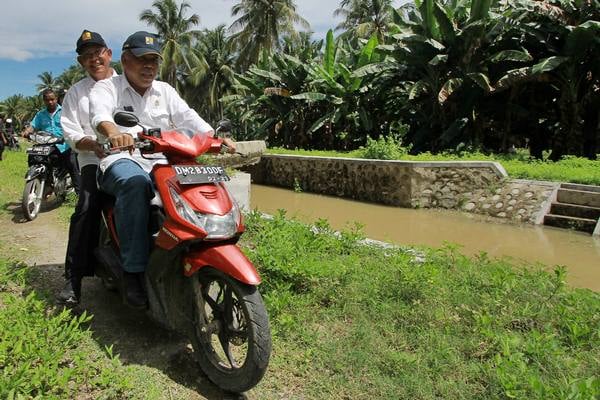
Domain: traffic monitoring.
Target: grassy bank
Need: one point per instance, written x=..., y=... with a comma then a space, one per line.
x=349, y=322
x=49, y=353
x=357, y=322
x=570, y=169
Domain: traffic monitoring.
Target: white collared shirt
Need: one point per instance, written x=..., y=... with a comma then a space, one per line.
x=75, y=119
x=159, y=107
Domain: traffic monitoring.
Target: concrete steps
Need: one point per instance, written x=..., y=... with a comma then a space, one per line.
x=576, y=207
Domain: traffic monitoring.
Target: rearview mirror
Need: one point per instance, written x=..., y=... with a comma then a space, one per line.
x=126, y=119
x=224, y=125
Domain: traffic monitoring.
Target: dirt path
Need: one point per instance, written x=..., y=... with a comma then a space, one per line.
x=138, y=340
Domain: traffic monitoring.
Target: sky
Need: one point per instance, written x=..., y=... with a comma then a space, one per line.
x=40, y=35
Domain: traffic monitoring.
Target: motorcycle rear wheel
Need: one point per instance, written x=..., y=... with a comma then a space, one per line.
x=232, y=339
x=32, y=198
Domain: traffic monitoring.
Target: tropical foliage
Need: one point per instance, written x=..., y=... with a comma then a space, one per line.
x=260, y=25
x=174, y=28
x=435, y=75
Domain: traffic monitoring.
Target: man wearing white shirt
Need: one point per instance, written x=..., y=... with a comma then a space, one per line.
x=125, y=175
x=94, y=56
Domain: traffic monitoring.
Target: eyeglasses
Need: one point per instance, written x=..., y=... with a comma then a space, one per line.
x=148, y=59
x=92, y=54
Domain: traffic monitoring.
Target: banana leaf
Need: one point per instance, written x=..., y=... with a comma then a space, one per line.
x=310, y=96
x=417, y=89
x=548, y=64
x=511, y=55
x=329, y=56
x=265, y=74
x=481, y=80
x=449, y=87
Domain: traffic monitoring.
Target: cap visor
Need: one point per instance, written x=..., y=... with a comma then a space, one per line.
x=142, y=52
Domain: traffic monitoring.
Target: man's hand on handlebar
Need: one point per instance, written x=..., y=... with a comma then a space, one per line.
x=89, y=144
x=122, y=141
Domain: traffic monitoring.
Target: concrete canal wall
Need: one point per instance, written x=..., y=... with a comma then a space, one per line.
x=472, y=186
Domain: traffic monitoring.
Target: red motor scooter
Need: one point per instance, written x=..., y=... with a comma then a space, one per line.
x=198, y=280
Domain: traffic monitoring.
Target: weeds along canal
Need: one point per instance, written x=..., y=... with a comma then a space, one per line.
x=579, y=252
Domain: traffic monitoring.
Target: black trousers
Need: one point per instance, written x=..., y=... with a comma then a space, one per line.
x=84, y=229
x=69, y=159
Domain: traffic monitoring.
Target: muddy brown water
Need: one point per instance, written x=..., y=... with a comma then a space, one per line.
x=579, y=252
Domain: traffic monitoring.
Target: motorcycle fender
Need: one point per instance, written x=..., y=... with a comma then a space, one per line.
x=34, y=171
x=227, y=258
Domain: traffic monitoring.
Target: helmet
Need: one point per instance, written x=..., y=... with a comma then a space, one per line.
x=9, y=121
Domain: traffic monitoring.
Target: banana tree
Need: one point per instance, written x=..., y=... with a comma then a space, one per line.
x=443, y=49
x=264, y=104
x=563, y=59
x=340, y=95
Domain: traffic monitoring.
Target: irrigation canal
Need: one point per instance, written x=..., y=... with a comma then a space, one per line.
x=579, y=252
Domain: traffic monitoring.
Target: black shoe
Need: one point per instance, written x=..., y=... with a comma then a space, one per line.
x=134, y=293
x=70, y=294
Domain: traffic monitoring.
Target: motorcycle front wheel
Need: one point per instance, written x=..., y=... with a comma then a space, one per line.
x=32, y=198
x=232, y=339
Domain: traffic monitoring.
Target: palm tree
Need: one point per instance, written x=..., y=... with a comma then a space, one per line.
x=365, y=17
x=70, y=76
x=11, y=107
x=260, y=25
x=174, y=28
x=302, y=46
x=47, y=82
x=212, y=79
x=21, y=109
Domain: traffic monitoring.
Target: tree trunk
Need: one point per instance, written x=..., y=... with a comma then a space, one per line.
x=590, y=128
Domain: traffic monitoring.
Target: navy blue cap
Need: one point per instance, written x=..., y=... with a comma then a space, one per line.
x=141, y=43
x=89, y=37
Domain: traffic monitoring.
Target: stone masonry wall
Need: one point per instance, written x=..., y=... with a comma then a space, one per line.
x=478, y=187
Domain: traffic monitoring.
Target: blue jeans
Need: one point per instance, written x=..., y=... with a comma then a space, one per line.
x=132, y=188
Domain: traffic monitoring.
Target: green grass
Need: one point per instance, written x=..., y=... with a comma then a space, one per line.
x=348, y=321
x=48, y=353
x=570, y=169
x=12, y=175
x=357, y=322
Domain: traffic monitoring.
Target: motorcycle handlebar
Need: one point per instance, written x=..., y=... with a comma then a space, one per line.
x=146, y=144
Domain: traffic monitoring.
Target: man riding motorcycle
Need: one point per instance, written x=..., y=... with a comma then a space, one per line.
x=125, y=175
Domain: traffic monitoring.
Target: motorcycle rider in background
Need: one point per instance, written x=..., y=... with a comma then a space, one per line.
x=94, y=56
x=48, y=120
x=126, y=175
x=9, y=134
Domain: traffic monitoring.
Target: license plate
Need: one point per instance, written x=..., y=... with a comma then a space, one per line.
x=40, y=150
x=196, y=174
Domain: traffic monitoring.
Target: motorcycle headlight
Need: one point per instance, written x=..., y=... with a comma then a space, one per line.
x=216, y=226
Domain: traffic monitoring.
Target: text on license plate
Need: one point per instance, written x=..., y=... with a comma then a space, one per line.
x=44, y=150
x=195, y=174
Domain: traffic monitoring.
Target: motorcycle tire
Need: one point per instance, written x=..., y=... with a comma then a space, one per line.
x=232, y=339
x=32, y=198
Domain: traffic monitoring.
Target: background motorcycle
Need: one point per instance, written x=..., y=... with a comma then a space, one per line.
x=46, y=174
x=13, y=142
x=198, y=281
